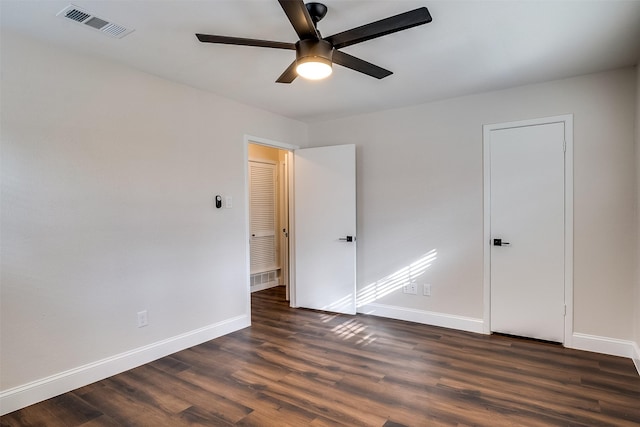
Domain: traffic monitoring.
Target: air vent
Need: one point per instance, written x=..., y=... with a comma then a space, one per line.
x=81, y=16
x=77, y=15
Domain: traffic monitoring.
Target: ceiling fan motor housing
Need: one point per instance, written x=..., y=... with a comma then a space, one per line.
x=314, y=50
x=317, y=11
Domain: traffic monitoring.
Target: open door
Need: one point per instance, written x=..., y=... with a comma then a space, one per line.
x=325, y=226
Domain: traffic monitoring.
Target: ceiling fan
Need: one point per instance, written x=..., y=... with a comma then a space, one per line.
x=316, y=54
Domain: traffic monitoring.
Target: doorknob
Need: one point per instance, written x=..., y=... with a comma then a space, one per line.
x=347, y=239
x=499, y=242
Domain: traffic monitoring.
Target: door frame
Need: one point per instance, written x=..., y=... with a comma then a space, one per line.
x=249, y=139
x=567, y=119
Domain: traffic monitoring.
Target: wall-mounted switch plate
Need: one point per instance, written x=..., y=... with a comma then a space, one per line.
x=426, y=290
x=142, y=318
x=228, y=202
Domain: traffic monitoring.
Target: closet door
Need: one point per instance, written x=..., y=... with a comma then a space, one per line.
x=262, y=212
x=527, y=208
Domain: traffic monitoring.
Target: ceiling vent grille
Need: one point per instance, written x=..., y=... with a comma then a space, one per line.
x=81, y=16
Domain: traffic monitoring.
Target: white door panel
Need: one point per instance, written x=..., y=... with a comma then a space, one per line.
x=325, y=212
x=527, y=211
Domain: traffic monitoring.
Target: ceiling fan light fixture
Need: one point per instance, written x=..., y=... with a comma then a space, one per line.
x=314, y=68
x=314, y=59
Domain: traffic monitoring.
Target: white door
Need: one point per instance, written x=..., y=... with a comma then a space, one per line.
x=527, y=199
x=325, y=226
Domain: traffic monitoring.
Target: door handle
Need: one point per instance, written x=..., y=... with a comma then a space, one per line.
x=347, y=239
x=499, y=242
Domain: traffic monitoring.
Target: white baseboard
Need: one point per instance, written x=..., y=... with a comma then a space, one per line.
x=469, y=324
x=63, y=382
x=597, y=344
x=264, y=286
x=605, y=345
x=636, y=356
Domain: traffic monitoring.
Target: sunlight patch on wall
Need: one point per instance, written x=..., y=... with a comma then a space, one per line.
x=396, y=280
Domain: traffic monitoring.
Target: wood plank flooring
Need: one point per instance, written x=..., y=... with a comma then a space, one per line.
x=309, y=368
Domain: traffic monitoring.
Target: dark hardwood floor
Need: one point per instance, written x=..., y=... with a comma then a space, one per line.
x=303, y=367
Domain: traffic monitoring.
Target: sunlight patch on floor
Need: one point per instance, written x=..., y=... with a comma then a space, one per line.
x=353, y=328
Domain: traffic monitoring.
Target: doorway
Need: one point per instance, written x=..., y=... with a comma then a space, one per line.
x=324, y=183
x=268, y=177
x=528, y=228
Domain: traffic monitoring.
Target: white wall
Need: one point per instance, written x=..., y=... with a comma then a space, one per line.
x=420, y=190
x=108, y=179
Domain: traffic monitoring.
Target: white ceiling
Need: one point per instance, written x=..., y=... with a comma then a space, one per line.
x=471, y=46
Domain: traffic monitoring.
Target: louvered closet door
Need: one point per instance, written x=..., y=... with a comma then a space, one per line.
x=262, y=205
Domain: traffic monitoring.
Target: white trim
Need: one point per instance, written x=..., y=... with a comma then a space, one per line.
x=486, y=236
x=247, y=228
x=636, y=356
x=63, y=382
x=292, y=230
x=567, y=119
x=248, y=139
x=604, y=345
x=568, y=229
x=450, y=321
x=283, y=188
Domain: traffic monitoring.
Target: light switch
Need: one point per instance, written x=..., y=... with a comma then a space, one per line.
x=228, y=202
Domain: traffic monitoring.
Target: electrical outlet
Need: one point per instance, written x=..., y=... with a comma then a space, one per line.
x=426, y=290
x=410, y=288
x=142, y=318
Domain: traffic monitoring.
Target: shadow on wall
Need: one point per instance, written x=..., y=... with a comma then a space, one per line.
x=397, y=280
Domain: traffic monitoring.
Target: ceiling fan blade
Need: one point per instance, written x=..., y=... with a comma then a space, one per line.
x=380, y=28
x=289, y=74
x=299, y=17
x=207, y=38
x=358, y=64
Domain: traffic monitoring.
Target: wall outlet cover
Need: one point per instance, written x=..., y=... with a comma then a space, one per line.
x=410, y=288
